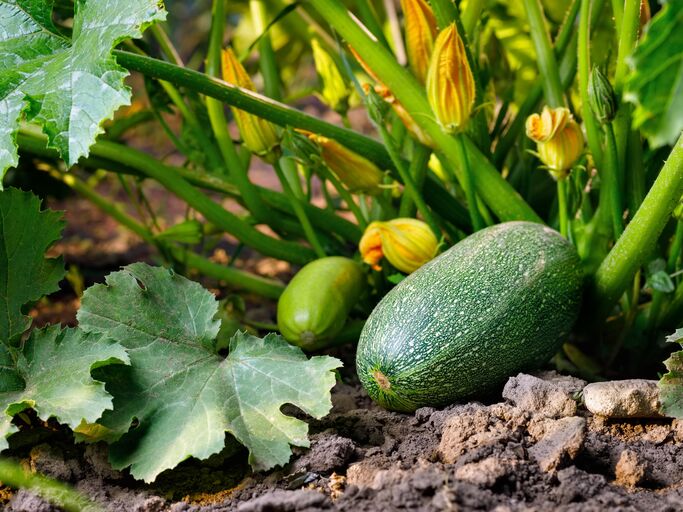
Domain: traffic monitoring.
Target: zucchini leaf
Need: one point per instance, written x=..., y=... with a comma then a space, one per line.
x=51, y=374
x=183, y=395
x=69, y=86
x=656, y=84
x=671, y=384
x=25, y=275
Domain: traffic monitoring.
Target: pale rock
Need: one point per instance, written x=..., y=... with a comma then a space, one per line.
x=629, y=471
x=551, y=398
x=561, y=441
x=633, y=398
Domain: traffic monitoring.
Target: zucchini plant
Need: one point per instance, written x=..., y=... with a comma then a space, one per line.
x=467, y=101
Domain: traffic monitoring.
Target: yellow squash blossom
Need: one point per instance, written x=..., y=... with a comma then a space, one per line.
x=558, y=139
x=259, y=135
x=420, y=27
x=450, y=84
x=406, y=243
x=355, y=171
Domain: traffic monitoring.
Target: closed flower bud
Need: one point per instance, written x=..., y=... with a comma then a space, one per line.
x=356, y=172
x=402, y=113
x=558, y=139
x=406, y=243
x=420, y=27
x=259, y=135
x=377, y=107
x=601, y=96
x=450, y=84
x=335, y=91
x=303, y=149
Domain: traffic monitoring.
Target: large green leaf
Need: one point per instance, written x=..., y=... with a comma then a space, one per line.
x=656, y=84
x=671, y=384
x=67, y=86
x=51, y=374
x=25, y=275
x=185, y=396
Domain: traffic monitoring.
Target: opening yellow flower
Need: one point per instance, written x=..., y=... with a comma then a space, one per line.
x=406, y=243
x=558, y=138
x=450, y=83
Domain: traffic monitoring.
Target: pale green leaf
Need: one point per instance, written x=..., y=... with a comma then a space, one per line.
x=51, y=375
x=656, y=84
x=68, y=86
x=671, y=383
x=185, y=396
x=25, y=275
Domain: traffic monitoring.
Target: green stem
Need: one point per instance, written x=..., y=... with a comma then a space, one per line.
x=267, y=61
x=547, y=64
x=369, y=19
x=299, y=211
x=234, y=277
x=584, y=68
x=344, y=194
x=470, y=16
x=676, y=248
x=35, y=143
x=641, y=234
x=238, y=172
x=212, y=211
x=408, y=181
x=628, y=35
x=562, y=208
x=613, y=182
x=505, y=202
x=566, y=40
x=284, y=115
x=12, y=474
x=166, y=45
x=418, y=170
x=618, y=13
x=467, y=183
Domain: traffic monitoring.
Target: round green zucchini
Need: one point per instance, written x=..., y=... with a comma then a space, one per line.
x=498, y=302
x=317, y=301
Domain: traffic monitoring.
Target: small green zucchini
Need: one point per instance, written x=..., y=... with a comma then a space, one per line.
x=316, y=303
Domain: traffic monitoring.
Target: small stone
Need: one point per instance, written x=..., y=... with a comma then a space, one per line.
x=471, y=427
x=629, y=470
x=561, y=442
x=634, y=398
x=328, y=452
x=286, y=501
x=541, y=397
x=486, y=472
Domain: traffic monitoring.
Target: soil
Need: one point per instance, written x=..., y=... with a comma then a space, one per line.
x=474, y=456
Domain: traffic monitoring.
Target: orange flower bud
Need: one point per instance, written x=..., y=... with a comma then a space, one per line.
x=402, y=113
x=558, y=138
x=259, y=135
x=450, y=84
x=355, y=171
x=406, y=243
x=420, y=28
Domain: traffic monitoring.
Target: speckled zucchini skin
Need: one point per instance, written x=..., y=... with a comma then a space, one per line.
x=499, y=302
x=317, y=301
